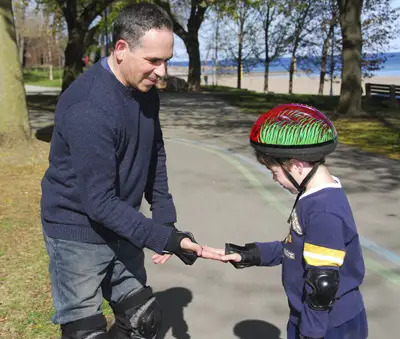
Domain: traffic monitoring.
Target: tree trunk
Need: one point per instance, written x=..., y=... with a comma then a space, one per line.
x=14, y=121
x=350, y=22
x=291, y=72
x=73, y=57
x=192, y=47
x=239, y=64
x=266, y=76
x=322, y=72
x=267, y=60
x=216, y=52
x=78, y=27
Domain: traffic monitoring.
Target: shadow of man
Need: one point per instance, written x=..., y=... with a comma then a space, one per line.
x=172, y=302
x=256, y=329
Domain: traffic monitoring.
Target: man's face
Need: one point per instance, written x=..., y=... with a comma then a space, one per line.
x=142, y=65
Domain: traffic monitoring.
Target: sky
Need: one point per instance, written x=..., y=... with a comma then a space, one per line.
x=396, y=43
x=181, y=54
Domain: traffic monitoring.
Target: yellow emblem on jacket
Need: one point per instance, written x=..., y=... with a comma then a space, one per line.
x=295, y=224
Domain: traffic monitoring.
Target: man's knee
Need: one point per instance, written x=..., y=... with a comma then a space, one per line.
x=93, y=327
x=139, y=314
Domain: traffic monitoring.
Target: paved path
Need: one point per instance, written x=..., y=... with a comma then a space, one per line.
x=222, y=195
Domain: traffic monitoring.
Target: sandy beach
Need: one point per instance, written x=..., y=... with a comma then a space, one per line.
x=279, y=83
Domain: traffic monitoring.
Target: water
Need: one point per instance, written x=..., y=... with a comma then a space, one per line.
x=390, y=68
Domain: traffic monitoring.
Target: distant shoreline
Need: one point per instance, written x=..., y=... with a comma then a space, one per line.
x=279, y=81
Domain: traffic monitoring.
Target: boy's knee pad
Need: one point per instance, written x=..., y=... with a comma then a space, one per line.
x=138, y=316
x=87, y=328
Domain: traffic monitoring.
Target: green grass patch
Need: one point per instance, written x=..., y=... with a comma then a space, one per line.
x=378, y=131
x=40, y=77
x=370, y=135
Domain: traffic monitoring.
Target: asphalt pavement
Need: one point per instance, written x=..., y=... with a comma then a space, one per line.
x=223, y=195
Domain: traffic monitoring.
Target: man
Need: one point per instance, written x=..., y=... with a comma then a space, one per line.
x=107, y=151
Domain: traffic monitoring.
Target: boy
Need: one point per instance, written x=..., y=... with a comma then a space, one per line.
x=322, y=264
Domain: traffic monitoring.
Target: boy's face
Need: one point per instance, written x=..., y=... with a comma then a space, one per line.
x=280, y=177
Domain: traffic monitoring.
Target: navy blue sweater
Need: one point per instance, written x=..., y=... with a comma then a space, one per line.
x=106, y=152
x=322, y=234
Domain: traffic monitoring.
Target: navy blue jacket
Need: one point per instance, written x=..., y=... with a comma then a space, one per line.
x=107, y=151
x=322, y=234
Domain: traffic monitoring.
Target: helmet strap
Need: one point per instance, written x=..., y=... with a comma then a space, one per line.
x=302, y=186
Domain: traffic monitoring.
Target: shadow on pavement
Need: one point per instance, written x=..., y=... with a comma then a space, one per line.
x=173, y=301
x=44, y=133
x=256, y=329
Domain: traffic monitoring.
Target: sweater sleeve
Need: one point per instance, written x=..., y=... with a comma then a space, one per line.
x=324, y=247
x=157, y=191
x=271, y=253
x=91, y=136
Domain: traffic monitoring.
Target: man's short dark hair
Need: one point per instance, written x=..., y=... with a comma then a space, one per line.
x=135, y=20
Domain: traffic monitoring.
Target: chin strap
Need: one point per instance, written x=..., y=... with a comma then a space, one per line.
x=302, y=187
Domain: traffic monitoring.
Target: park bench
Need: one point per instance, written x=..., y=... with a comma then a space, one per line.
x=390, y=91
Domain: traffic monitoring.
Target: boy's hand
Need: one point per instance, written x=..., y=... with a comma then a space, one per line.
x=219, y=255
x=249, y=255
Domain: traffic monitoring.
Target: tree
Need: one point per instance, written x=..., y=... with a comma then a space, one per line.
x=14, y=121
x=329, y=23
x=241, y=49
x=299, y=11
x=380, y=26
x=274, y=31
x=190, y=35
x=315, y=54
x=350, y=23
x=79, y=15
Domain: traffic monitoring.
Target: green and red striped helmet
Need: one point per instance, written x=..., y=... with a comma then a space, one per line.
x=294, y=131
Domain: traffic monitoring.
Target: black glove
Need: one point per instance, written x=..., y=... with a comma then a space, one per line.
x=174, y=246
x=250, y=254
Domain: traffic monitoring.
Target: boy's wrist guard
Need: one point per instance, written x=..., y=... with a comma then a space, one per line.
x=174, y=247
x=250, y=254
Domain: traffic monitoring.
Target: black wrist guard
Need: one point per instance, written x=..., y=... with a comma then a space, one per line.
x=303, y=337
x=174, y=247
x=170, y=224
x=250, y=254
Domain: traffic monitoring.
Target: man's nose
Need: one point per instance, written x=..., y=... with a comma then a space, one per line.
x=161, y=70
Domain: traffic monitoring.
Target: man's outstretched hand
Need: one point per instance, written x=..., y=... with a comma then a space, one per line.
x=160, y=258
x=183, y=245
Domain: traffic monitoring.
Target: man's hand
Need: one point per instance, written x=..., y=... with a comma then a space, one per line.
x=185, y=244
x=160, y=258
x=188, y=245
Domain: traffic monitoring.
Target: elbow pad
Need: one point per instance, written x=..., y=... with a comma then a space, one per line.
x=250, y=254
x=323, y=285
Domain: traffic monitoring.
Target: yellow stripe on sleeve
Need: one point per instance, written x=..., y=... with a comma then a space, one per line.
x=322, y=256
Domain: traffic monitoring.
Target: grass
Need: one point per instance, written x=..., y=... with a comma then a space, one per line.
x=378, y=130
x=40, y=77
x=26, y=304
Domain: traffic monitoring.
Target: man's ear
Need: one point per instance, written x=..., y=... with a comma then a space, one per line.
x=121, y=48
